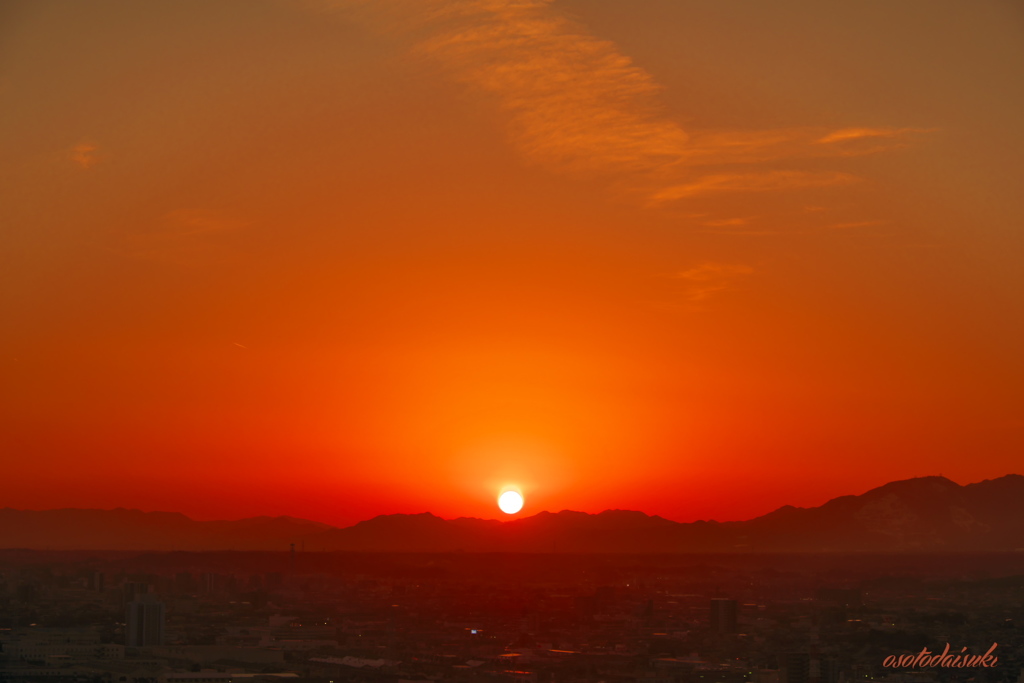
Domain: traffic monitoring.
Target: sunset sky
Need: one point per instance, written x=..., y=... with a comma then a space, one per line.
x=341, y=258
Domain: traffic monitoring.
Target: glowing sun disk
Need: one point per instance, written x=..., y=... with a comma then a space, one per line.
x=510, y=502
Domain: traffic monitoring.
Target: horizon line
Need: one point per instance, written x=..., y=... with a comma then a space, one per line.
x=511, y=518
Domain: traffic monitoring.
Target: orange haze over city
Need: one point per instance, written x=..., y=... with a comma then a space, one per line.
x=336, y=259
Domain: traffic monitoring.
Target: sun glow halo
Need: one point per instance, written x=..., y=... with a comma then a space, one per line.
x=510, y=502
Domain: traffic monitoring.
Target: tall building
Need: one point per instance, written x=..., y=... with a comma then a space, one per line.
x=723, y=615
x=808, y=667
x=145, y=622
x=131, y=590
x=795, y=667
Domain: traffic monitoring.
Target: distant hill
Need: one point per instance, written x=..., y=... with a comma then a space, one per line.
x=928, y=513
x=924, y=514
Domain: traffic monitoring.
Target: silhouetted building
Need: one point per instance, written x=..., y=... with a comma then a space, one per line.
x=829, y=672
x=211, y=583
x=795, y=667
x=808, y=667
x=723, y=615
x=145, y=622
x=131, y=590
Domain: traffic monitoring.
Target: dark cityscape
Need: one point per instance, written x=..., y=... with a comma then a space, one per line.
x=315, y=616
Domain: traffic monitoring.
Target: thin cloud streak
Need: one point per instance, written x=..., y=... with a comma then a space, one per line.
x=855, y=224
x=847, y=134
x=707, y=279
x=751, y=182
x=181, y=237
x=725, y=228
x=726, y=222
x=719, y=147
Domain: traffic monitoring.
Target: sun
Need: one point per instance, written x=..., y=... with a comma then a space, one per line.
x=510, y=502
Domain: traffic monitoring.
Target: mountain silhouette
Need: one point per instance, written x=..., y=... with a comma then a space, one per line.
x=924, y=514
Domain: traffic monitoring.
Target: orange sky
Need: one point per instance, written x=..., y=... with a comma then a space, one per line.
x=339, y=258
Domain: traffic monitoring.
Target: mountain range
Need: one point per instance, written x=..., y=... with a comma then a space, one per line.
x=923, y=514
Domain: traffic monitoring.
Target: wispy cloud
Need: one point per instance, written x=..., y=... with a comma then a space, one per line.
x=84, y=155
x=182, y=237
x=576, y=103
x=707, y=279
